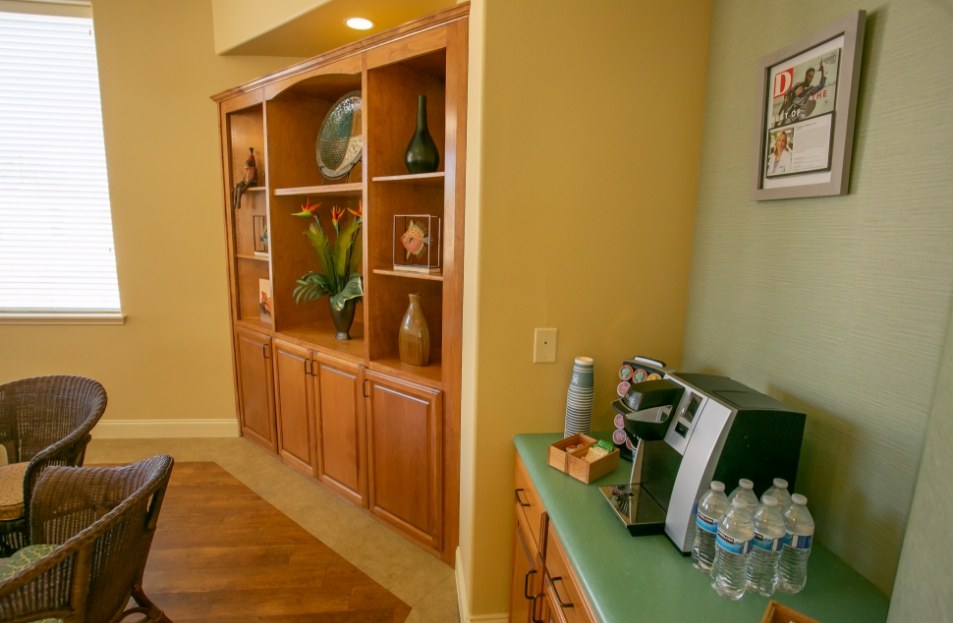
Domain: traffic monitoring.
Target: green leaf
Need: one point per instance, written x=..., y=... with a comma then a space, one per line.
x=352, y=290
x=311, y=287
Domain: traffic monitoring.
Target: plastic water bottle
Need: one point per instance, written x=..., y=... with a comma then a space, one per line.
x=712, y=506
x=779, y=491
x=729, y=573
x=766, y=547
x=798, y=537
x=745, y=490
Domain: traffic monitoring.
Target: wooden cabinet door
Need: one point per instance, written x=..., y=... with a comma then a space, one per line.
x=256, y=404
x=339, y=427
x=405, y=469
x=564, y=596
x=526, y=582
x=293, y=397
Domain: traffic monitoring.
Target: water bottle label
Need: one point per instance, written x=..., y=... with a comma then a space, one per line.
x=762, y=542
x=729, y=544
x=706, y=523
x=797, y=541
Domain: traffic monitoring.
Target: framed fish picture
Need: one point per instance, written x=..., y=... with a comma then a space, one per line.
x=417, y=245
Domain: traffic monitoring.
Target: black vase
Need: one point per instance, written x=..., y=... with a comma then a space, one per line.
x=422, y=156
x=343, y=319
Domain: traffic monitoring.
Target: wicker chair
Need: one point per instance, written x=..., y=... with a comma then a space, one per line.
x=101, y=520
x=44, y=421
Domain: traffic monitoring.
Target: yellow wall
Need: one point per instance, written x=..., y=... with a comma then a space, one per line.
x=583, y=151
x=172, y=358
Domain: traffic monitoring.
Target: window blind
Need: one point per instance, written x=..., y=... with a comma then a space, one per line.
x=56, y=241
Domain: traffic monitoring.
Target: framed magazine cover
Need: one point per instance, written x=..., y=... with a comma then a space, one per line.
x=805, y=124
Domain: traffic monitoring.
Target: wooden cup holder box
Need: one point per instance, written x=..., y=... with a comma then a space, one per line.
x=777, y=613
x=569, y=455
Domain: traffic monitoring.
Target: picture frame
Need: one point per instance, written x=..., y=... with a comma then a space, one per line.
x=265, y=300
x=805, y=126
x=260, y=235
x=416, y=243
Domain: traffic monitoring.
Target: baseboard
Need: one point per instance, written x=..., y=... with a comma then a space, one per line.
x=463, y=601
x=165, y=429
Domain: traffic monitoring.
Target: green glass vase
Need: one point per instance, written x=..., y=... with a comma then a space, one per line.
x=422, y=155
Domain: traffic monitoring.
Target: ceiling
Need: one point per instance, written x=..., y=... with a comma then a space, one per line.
x=322, y=27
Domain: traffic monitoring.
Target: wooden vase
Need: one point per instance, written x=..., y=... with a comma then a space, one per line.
x=414, y=337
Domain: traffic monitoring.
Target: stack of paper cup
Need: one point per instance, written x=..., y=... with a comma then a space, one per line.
x=579, y=398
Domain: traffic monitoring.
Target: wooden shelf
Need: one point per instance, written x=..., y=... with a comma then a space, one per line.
x=408, y=274
x=426, y=179
x=348, y=189
x=292, y=375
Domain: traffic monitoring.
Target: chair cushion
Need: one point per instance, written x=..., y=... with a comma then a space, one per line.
x=11, y=491
x=23, y=558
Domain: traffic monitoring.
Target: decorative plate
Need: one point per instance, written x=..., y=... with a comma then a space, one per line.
x=339, y=143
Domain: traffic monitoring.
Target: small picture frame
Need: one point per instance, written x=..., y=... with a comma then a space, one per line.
x=265, y=302
x=260, y=235
x=417, y=243
x=805, y=126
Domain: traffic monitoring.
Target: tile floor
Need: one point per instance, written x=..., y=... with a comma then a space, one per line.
x=416, y=577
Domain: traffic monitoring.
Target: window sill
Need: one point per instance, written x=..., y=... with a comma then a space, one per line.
x=62, y=318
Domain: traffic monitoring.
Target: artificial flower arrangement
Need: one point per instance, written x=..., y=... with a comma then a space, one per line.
x=340, y=259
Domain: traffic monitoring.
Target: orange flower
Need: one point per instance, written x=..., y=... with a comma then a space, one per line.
x=336, y=214
x=359, y=213
x=308, y=208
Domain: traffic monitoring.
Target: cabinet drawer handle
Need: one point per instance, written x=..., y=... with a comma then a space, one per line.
x=526, y=578
x=562, y=604
x=521, y=502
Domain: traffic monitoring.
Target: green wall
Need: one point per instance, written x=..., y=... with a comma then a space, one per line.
x=835, y=305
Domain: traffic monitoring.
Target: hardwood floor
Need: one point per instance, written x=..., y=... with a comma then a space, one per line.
x=222, y=554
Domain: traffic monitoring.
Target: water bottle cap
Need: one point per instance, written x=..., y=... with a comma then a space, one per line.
x=717, y=485
x=738, y=502
x=798, y=499
x=744, y=483
x=780, y=483
x=769, y=500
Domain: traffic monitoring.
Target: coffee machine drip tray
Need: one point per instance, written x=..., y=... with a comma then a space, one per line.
x=637, y=509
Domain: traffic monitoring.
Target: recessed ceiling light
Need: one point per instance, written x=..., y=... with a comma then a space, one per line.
x=359, y=23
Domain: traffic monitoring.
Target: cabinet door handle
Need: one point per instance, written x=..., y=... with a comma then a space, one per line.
x=519, y=501
x=307, y=367
x=535, y=609
x=562, y=604
x=266, y=351
x=526, y=578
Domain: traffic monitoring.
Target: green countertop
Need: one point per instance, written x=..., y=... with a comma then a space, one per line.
x=645, y=578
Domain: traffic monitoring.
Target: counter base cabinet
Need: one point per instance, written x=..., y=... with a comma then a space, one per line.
x=544, y=586
x=293, y=405
x=405, y=459
x=256, y=403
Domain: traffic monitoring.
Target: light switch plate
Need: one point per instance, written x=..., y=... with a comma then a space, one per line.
x=544, y=346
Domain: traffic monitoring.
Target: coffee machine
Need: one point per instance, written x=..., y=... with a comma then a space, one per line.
x=690, y=429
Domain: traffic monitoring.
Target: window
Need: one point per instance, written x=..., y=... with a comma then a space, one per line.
x=56, y=244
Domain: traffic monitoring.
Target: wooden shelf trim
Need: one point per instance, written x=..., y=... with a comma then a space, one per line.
x=351, y=188
x=434, y=179
x=408, y=274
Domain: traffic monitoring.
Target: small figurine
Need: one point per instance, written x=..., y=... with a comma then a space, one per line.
x=249, y=179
